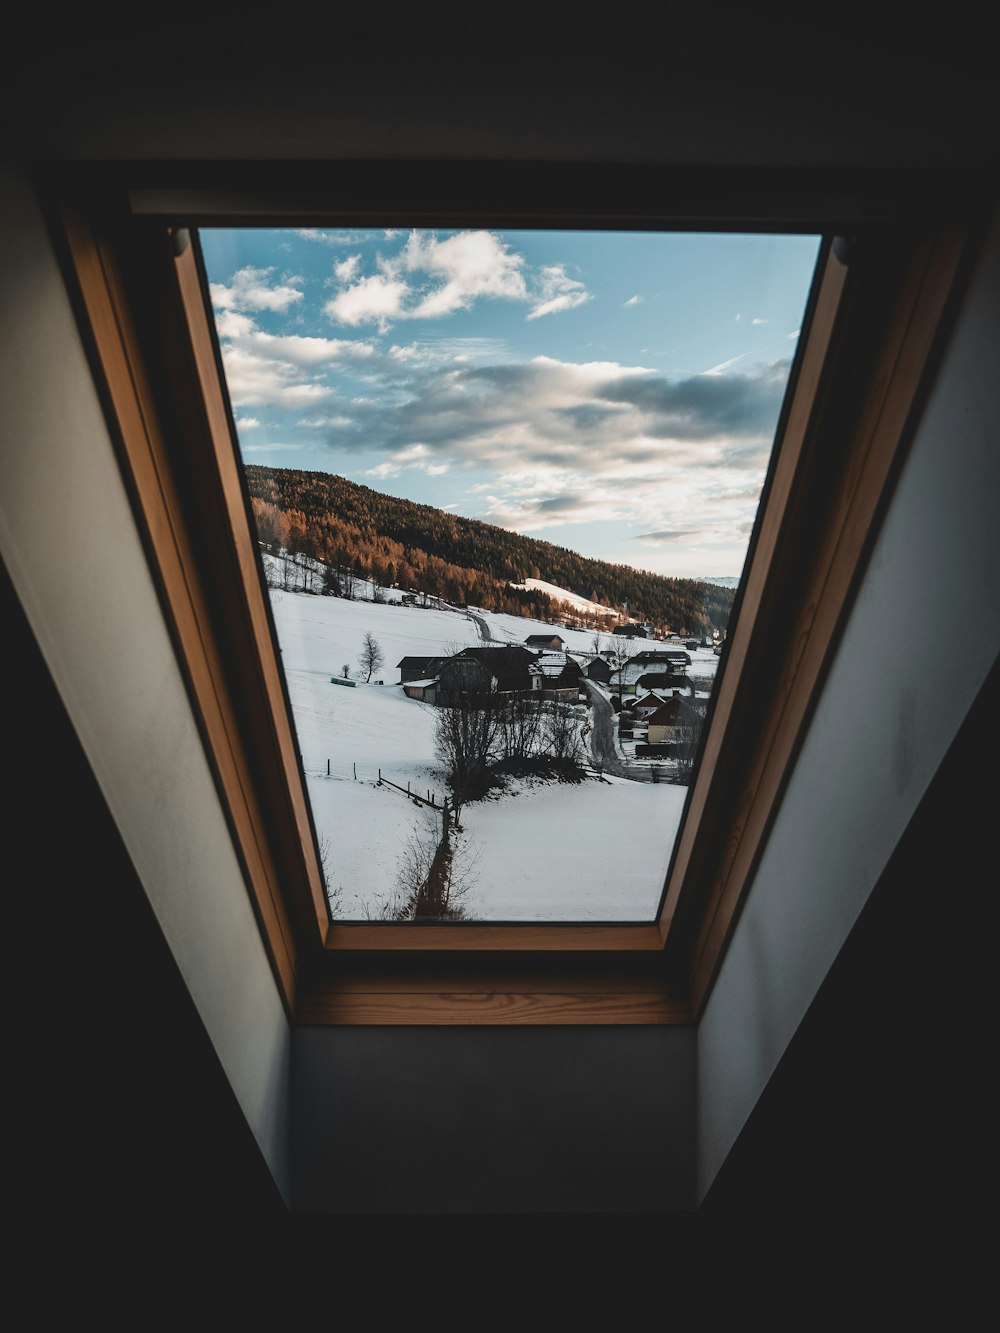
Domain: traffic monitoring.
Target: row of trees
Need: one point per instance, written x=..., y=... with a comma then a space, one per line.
x=480, y=735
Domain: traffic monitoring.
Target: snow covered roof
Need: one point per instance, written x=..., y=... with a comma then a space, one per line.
x=550, y=664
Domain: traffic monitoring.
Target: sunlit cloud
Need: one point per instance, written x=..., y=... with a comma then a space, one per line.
x=558, y=291
x=634, y=300
x=347, y=268
x=256, y=381
x=249, y=289
x=376, y=299
x=430, y=278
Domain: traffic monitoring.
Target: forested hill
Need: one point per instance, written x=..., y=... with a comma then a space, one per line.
x=464, y=560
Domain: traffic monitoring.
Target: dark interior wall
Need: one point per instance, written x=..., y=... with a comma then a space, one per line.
x=493, y=1120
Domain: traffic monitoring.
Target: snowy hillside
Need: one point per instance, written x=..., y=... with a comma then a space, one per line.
x=548, y=851
x=572, y=599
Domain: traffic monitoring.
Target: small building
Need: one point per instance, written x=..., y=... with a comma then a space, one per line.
x=598, y=668
x=633, y=630
x=424, y=691
x=647, y=706
x=557, y=676
x=664, y=680
x=503, y=668
x=418, y=668
x=540, y=643
x=674, y=723
x=666, y=659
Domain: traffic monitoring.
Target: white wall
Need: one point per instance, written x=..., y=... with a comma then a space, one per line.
x=74, y=557
x=921, y=638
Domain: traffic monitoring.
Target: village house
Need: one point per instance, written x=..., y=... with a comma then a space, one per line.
x=418, y=668
x=675, y=722
x=545, y=643
x=424, y=691
x=675, y=660
x=625, y=680
x=664, y=680
x=598, y=668
x=556, y=676
x=646, y=706
x=500, y=668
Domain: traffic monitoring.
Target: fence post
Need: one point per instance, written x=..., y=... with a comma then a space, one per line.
x=328, y=768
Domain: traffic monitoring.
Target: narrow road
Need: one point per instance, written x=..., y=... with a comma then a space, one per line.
x=604, y=755
x=482, y=626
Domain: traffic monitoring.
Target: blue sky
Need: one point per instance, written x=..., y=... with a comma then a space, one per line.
x=616, y=393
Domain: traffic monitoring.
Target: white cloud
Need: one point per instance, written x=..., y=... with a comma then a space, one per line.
x=347, y=268
x=376, y=299
x=564, y=442
x=247, y=423
x=558, y=292
x=430, y=278
x=255, y=380
x=248, y=289
x=229, y=324
x=469, y=264
x=637, y=300
x=758, y=321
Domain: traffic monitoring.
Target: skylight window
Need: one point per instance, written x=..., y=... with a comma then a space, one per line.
x=504, y=484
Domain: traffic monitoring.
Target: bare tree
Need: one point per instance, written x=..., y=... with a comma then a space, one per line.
x=371, y=656
x=562, y=737
x=467, y=741
x=521, y=725
x=620, y=654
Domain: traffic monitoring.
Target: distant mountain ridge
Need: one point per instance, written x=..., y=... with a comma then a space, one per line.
x=463, y=560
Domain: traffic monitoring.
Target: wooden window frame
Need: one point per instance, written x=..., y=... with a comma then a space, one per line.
x=886, y=284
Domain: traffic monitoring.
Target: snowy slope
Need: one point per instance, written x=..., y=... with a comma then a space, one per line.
x=547, y=852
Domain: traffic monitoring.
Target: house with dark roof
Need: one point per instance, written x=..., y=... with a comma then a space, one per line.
x=499, y=668
x=598, y=668
x=556, y=676
x=664, y=680
x=545, y=642
x=647, y=705
x=668, y=659
x=675, y=722
x=418, y=668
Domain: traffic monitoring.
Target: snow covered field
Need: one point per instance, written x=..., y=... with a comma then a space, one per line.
x=592, y=851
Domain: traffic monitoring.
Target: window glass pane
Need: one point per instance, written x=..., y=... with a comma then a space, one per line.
x=504, y=484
